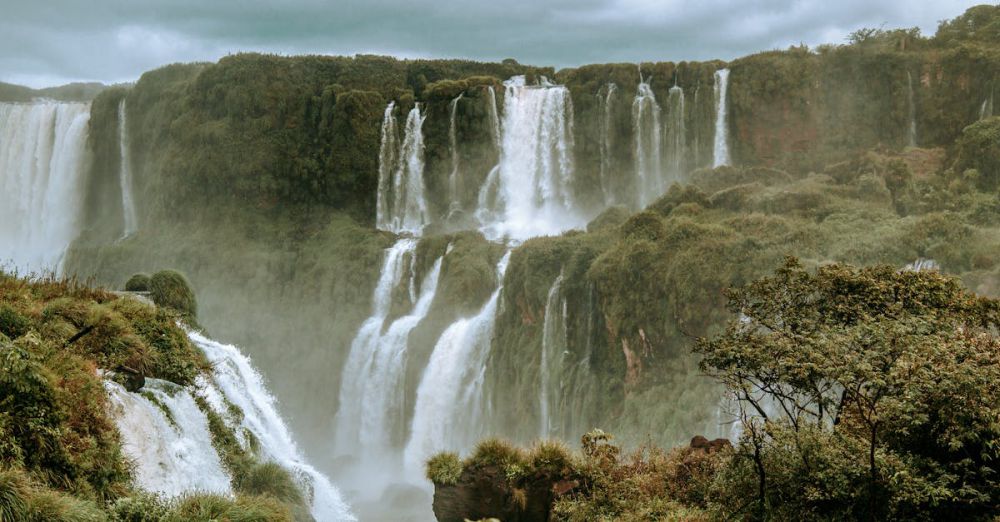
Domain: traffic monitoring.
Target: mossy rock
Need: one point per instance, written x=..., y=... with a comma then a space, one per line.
x=170, y=289
x=138, y=283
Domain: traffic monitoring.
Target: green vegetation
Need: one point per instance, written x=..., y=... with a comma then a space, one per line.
x=170, y=289
x=138, y=283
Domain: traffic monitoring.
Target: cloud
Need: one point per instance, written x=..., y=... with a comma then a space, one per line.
x=57, y=41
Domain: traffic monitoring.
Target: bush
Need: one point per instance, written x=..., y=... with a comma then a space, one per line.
x=51, y=506
x=140, y=507
x=14, y=489
x=138, y=283
x=210, y=507
x=269, y=478
x=12, y=323
x=170, y=289
x=444, y=468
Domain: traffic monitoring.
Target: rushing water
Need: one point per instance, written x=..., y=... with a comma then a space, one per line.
x=553, y=351
x=129, y=219
x=676, y=134
x=533, y=185
x=605, y=101
x=365, y=371
x=449, y=408
x=173, y=454
x=235, y=381
x=911, y=134
x=454, y=179
x=42, y=153
x=166, y=433
x=720, y=152
x=401, y=204
x=648, y=168
x=986, y=109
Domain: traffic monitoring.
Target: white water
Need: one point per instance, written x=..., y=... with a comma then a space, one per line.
x=125, y=174
x=454, y=181
x=449, y=408
x=534, y=180
x=387, y=158
x=986, y=109
x=401, y=205
x=42, y=153
x=911, y=134
x=648, y=168
x=720, y=152
x=236, y=381
x=676, y=134
x=550, y=366
x=171, y=457
x=494, y=118
x=350, y=426
x=606, y=134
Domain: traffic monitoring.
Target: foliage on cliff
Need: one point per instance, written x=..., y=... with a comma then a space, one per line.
x=60, y=453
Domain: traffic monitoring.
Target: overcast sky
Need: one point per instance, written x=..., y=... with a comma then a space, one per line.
x=49, y=42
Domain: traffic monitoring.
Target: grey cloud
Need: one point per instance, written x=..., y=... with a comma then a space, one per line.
x=116, y=40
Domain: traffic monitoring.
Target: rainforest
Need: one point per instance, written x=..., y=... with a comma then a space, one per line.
x=335, y=288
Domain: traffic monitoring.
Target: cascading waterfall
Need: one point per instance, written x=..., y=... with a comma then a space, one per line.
x=490, y=199
x=235, y=381
x=42, y=171
x=646, y=118
x=986, y=109
x=449, y=408
x=388, y=155
x=605, y=102
x=534, y=180
x=553, y=352
x=720, y=152
x=173, y=454
x=166, y=433
x=353, y=419
x=454, y=181
x=676, y=134
x=125, y=174
x=911, y=134
x=401, y=205
x=494, y=117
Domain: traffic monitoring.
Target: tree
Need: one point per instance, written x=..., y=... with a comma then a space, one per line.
x=904, y=364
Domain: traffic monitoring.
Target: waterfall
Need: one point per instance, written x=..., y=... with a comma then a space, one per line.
x=986, y=109
x=606, y=134
x=235, y=381
x=387, y=156
x=676, y=134
x=359, y=370
x=166, y=433
x=553, y=352
x=720, y=152
x=494, y=117
x=454, y=183
x=401, y=206
x=534, y=181
x=173, y=453
x=125, y=174
x=646, y=117
x=449, y=408
x=911, y=135
x=42, y=152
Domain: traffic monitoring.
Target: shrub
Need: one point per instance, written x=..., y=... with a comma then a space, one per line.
x=170, y=289
x=14, y=489
x=269, y=478
x=139, y=507
x=211, y=507
x=444, y=468
x=12, y=323
x=46, y=505
x=138, y=283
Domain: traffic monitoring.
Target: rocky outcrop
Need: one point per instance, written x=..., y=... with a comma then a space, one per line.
x=485, y=492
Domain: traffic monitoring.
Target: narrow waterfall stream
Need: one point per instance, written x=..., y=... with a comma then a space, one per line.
x=720, y=152
x=648, y=146
x=401, y=205
x=129, y=219
x=551, y=360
